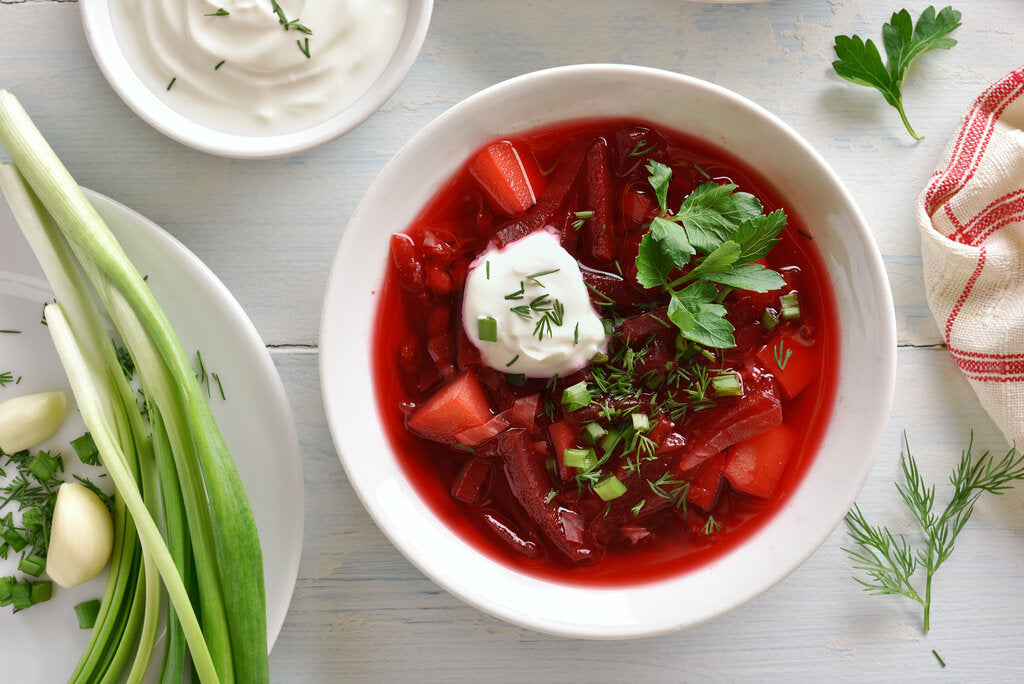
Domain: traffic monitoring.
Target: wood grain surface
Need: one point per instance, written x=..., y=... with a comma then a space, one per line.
x=269, y=229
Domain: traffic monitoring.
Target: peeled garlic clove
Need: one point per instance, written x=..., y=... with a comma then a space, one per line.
x=29, y=420
x=81, y=537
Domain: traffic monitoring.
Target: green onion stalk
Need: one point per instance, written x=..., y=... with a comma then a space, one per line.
x=187, y=478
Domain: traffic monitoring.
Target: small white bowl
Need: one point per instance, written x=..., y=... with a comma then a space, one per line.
x=113, y=62
x=808, y=187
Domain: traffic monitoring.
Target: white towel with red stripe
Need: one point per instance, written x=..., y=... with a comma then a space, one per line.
x=971, y=217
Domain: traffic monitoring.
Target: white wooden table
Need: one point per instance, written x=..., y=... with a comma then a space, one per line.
x=269, y=230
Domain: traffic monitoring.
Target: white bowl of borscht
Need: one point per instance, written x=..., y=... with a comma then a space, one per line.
x=607, y=351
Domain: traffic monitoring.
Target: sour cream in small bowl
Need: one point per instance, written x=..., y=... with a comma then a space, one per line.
x=255, y=78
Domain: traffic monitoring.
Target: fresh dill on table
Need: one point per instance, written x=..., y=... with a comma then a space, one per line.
x=889, y=561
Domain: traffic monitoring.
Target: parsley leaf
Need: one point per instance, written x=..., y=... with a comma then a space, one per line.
x=729, y=230
x=860, y=62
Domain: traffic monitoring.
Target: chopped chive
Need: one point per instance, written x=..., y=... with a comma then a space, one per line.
x=86, y=612
x=221, y=12
x=43, y=466
x=790, y=306
x=598, y=359
x=220, y=387
x=171, y=84
x=576, y=334
x=576, y=397
x=487, y=329
x=584, y=459
x=808, y=236
x=303, y=47
x=219, y=65
x=939, y=658
x=487, y=267
x=641, y=423
x=10, y=332
x=609, y=487
x=514, y=359
x=769, y=318
x=727, y=385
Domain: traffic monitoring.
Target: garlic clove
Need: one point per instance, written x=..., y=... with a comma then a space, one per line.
x=81, y=537
x=31, y=419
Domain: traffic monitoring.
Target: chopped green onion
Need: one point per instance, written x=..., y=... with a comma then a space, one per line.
x=41, y=591
x=769, y=318
x=609, y=441
x=32, y=564
x=790, y=306
x=584, y=459
x=517, y=379
x=593, y=432
x=576, y=397
x=609, y=488
x=86, y=612
x=599, y=359
x=609, y=326
x=12, y=536
x=86, y=449
x=7, y=590
x=727, y=385
x=641, y=423
x=487, y=329
x=44, y=466
x=22, y=595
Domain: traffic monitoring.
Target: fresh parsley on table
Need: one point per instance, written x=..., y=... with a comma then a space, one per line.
x=860, y=62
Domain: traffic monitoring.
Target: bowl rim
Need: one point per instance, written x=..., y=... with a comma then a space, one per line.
x=881, y=303
x=119, y=73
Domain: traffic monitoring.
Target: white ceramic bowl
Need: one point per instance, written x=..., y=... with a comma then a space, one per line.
x=807, y=185
x=113, y=62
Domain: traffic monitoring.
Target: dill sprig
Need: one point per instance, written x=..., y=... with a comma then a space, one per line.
x=889, y=561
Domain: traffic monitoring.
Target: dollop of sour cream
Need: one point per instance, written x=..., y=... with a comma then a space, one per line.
x=526, y=308
x=232, y=65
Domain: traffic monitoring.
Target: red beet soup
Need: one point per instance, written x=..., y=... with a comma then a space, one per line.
x=680, y=439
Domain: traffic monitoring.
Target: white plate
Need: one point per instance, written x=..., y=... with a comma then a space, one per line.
x=44, y=643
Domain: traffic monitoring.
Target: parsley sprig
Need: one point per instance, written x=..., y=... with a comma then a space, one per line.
x=713, y=239
x=889, y=561
x=860, y=62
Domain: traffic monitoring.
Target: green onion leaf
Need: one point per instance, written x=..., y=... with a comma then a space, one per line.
x=86, y=612
x=609, y=487
x=576, y=397
x=487, y=329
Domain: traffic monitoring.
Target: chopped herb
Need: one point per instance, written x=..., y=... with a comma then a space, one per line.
x=87, y=612
x=671, y=489
x=536, y=276
x=221, y=12
x=6, y=378
x=514, y=359
x=10, y=332
x=518, y=294
x=171, y=84
x=219, y=65
x=636, y=509
x=806, y=235
x=523, y=311
x=790, y=306
x=939, y=658
x=487, y=266
x=640, y=148
x=515, y=379
x=609, y=487
x=550, y=497
x=576, y=334
x=711, y=526
x=781, y=354
x=576, y=397
x=304, y=46
x=220, y=387
x=581, y=218
x=727, y=385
